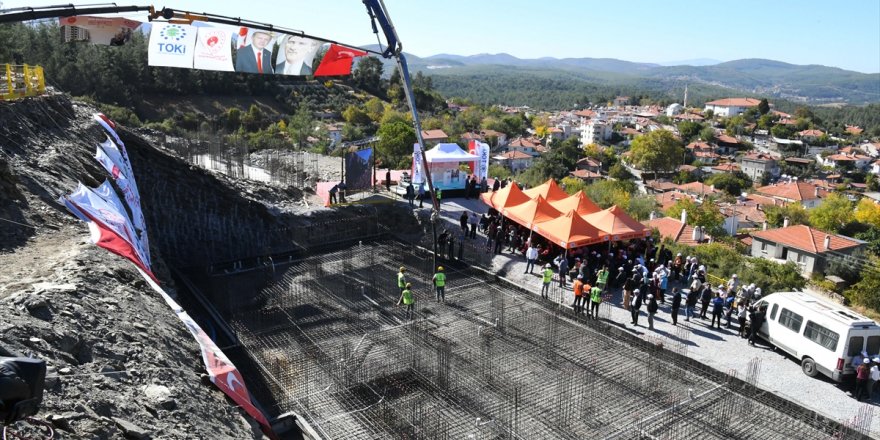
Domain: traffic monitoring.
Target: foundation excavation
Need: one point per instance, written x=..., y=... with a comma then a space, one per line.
x=321, y=337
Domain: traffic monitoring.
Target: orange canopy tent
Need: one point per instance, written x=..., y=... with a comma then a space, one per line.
x=548, y=190
x=578, y=202
x=532, y=212
x=618, y=224
x=570, y=231
x=506, y=197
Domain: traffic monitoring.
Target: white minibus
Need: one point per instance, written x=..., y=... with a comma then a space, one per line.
x=822, y=335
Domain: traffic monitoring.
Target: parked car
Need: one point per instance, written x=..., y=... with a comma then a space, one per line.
x=822, y=335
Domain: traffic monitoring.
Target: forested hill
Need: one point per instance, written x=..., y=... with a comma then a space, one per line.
x=811, y=84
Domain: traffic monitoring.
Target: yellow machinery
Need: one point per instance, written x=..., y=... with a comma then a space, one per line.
x=18, y=81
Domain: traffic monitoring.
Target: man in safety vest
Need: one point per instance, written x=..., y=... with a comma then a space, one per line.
x=578, y=304
x=595, y=300
x=407, y=299
x=440, y=284
x=401, y=279
x=547, y=277
x=602, y=278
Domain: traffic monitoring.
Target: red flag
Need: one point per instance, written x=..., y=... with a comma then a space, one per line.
x=337, y=61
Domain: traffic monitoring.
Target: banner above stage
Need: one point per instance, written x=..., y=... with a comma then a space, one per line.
x=108, y=31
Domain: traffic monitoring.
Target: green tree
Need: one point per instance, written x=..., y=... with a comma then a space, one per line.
x=707, y=134
x=782, y=131
x=301, y=126
x=619, y=172
x=795, y=213
x=375, y=108
x=499, y=172
x=657, y=151
x=731, y=183
x=367, y=75
x=833, y=214
x=573, y=184
x=354, y=115
x=706, y=215
x=396, y=140
x=689, y=130
x=640, y=207
x=607, y=193
x=763, y=106
x=866, y=292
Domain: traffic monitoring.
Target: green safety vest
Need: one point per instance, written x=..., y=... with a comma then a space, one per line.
x=407, y=297
x=603, y=277
x=439, y=279
x=401, y=281
x=596, y=295
x=439, y=193
x=548, y=275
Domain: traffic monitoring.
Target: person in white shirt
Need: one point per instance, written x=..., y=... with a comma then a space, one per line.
x=531, y=257
x=874, y=377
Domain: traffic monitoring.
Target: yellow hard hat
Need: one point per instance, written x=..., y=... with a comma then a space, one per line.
x=440, y=268
x=408, y=285
x=402, y=268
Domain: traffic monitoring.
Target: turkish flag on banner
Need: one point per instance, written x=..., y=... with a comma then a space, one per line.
x=337, y=61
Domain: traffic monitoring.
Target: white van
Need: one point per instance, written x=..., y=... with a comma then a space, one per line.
x=823, y=335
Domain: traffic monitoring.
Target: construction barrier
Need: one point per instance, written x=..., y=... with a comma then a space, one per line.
x=19, y=81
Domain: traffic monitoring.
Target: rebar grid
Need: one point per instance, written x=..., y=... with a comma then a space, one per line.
x=492, y=362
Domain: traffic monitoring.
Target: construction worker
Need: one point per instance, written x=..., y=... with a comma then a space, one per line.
x=547, y=277
x=578, y=304
x=440, y=284
x=595, y=300
x=407, y=299
x=439, y=195
x=602, y=278
x=401, y=279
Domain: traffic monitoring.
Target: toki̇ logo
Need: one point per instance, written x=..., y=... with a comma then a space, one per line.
x=172, y=34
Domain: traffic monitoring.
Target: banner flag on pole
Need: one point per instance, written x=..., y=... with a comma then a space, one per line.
x=213, y=49
x=171, y=45
x=337, y=61
x=483, y=150
x=417, y=176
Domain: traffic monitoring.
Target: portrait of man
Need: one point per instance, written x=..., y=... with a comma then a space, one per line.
x=255, y=58
x=296, y=55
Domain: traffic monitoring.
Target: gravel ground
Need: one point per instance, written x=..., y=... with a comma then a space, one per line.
x=721, y=349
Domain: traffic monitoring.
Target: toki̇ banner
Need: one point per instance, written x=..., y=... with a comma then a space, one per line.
x=418, y=176
x=172, y=45
x=111, y=31
x=482, y=150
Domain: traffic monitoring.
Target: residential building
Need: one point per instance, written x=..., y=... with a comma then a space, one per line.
x=854, y=130
x=807, y=194
x=433, y=137
x=845, y=160
x=699, y=189
x=621, y=101
x=727, y=167
x=678, y=231
x=807, y=247
x=759, y=165
x=590, y=164
x=500, y=139
x=730, y=107
x=594, y=131
x=674, y=109
x=586, y=175
x=334, y=132
x=515, y=160
x=525, y=145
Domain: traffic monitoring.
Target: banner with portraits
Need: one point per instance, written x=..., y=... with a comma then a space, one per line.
x=109, y=31
x=296, y=55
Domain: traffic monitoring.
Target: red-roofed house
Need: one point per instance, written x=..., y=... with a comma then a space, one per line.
x=698, y=189
x=844, y=160
x=729, y=167
x=807, y=194
x=730, y=107
x=666, y=199
x=677, y=231
x=809, y=248
x=812, y=134
x=586, y=175
x=494, y=138
x=524, y=145
x=854, y=130
x=588, y=163
x=514, y=160
x=434, y=136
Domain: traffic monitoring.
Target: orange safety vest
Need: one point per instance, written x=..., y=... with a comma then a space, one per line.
x=578, y=288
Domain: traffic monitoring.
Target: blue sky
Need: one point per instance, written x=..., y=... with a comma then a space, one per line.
x=839, y=33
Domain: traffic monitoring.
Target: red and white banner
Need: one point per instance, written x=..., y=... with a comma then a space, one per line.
x=223, y=372
x=337, y=61
x=418, y=176
x=213, y=49
x=114, y=158
x=109, y=228
x=113, y=31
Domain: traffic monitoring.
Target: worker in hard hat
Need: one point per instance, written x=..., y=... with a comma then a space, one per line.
x=440, y=284
x=401, y=279
x=407, y=299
